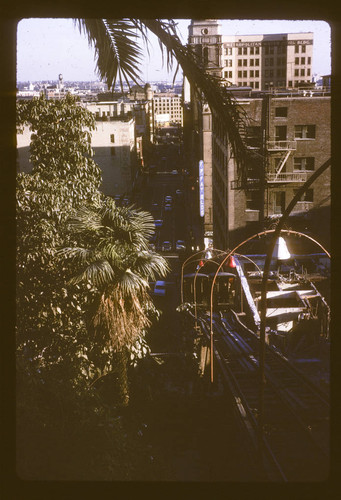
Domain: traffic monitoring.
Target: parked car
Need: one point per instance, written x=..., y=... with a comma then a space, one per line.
x=158, y=222
x=168, y=207
x=168, y=199
x=166, y=246
x=175, y=172
x=178, y=192
x=160, y=288
x=180, y=246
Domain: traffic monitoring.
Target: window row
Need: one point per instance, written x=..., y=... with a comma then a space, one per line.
x=302, y=72
x=302, y=60
x=297, y=49
x=248, y=50
x=253, y=74
x=248, y=62
x=300, y=132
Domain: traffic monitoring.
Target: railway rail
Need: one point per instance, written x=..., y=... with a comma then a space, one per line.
x=295, y=437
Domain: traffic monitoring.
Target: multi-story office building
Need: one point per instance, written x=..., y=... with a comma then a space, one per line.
x=168, y=103
x=258, y=61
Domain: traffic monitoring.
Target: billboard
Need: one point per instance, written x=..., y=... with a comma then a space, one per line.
x=201, y=189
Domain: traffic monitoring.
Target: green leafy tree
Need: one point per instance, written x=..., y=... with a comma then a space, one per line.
x=51, y=333
x=116, y=263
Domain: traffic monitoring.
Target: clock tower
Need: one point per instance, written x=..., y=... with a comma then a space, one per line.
x=204, y=35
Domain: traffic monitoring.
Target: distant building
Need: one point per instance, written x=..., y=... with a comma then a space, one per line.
x=168, y=103
x=257, y=61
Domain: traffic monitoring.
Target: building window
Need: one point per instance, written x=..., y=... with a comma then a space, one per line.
x=281, y=112
x=256, y=85
x=112, y=151
x=266, y=50
x=290, y=83
x=225, y=74
x=296, y=72
x=257, y=73
x=309, y=60
x=271, y=49
x=245, y=50
x=266, y=61
x=303, y=49
x=240, y=51
x=281, y=133
x=112, y=138
x=252, y=84
x=256, y=62
x=244, y=62
x=240, y=73
x=252, y=73
x=297, y=49
x=279, y=202
x=305, y=131
x=302, y=72
x=251, y=200
x=252, y=50
x=271, y=73
x=256, y=50
x=240, y=84
x=244, y=84
x=304, y=163
x=240, y=62
x=297, y=60
x=252, y=62
x=302, y=60
x=266, y=72
x=271, y=61
x=308, y=71
x=244, y=74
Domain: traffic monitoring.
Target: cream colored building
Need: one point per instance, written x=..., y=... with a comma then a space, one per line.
x=168, y=103
x=258, y=61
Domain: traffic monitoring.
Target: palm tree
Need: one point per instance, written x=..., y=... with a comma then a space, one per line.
x=115, y=261
x=118, y=54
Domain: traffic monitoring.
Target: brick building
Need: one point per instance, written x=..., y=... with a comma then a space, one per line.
x=291, y=139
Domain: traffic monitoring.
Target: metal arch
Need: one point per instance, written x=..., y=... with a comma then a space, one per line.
x=186, y=262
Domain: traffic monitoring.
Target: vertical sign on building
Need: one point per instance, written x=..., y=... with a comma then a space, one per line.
x=201, y=188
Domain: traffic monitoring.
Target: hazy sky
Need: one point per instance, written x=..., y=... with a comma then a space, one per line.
x=47, y=47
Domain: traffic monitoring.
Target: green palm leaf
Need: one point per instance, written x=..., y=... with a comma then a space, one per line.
x=151, y=265
x=117, y=52
x=99, y=274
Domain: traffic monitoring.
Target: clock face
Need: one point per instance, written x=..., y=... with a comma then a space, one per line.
x=204, y=31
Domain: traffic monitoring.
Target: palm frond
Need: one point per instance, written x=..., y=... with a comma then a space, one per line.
x=151, y=265
x=82, y=255
x=99, y=274
x=218, y=98
x=86, y=219
x=131, y=284
x=117, y=52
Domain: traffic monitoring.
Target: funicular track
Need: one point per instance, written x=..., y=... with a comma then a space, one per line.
x=296, y=412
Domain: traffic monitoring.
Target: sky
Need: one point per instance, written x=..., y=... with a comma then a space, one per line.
x=48, y=47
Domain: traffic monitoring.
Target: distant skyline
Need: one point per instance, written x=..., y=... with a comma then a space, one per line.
x=48, y=47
